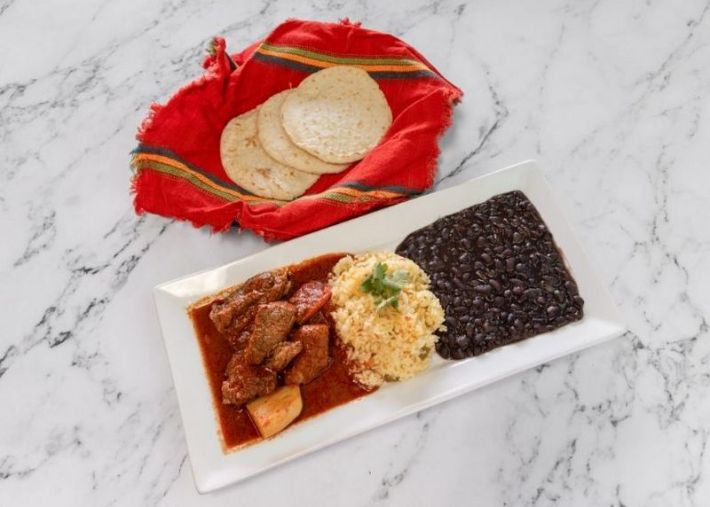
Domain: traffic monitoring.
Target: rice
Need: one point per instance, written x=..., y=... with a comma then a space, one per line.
x=384, y=344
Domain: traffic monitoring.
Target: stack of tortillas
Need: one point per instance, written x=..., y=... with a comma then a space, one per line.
x=280, y=148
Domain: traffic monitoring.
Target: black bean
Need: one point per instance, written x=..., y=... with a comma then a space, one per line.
x=497, y=273
x=532, y=293
x=483, y=288
x=551, y=280
x=436, y=265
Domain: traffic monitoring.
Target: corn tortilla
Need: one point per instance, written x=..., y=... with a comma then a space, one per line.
x=250, y=167
x=337, y=114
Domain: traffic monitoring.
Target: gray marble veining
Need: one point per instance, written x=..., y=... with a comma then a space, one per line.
x=611, y=97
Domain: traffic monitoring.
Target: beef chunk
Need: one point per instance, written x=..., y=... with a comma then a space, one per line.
x=221, y=315
x=282, y=354
x=309, y=299
x=239, y=339
x=272, y=323
x=318, y=318
x=272, y=283
x=314, y=357
x=279, y=287
x=233, y=314
x=245, y=381
x=243, y=320
x=224, y=312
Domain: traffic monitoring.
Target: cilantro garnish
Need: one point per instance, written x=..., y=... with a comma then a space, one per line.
x=384, y=288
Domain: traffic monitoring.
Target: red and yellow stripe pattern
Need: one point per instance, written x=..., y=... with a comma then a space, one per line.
x=309, y=60
x=147, y=158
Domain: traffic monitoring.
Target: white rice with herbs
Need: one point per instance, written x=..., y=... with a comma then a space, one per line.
x=384, y=343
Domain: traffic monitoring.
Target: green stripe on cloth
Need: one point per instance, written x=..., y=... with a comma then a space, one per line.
x=154, y=150
x=388, y=188
x=287, y=63
x=338, y=197
x=353, y=60
x=172, y=171
x=331, y=194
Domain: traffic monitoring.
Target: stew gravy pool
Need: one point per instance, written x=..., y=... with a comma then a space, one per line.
x=331, y=388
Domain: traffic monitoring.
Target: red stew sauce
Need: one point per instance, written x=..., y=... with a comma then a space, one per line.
x=331, y=388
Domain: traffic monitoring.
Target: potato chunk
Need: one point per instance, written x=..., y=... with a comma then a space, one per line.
x=273, y=412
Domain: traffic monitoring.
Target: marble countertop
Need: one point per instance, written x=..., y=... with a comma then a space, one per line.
x=610, y=97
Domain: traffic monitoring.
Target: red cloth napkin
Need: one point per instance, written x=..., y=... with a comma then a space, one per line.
x=177, y=167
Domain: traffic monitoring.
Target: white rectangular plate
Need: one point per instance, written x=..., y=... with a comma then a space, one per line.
x=384, y=229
